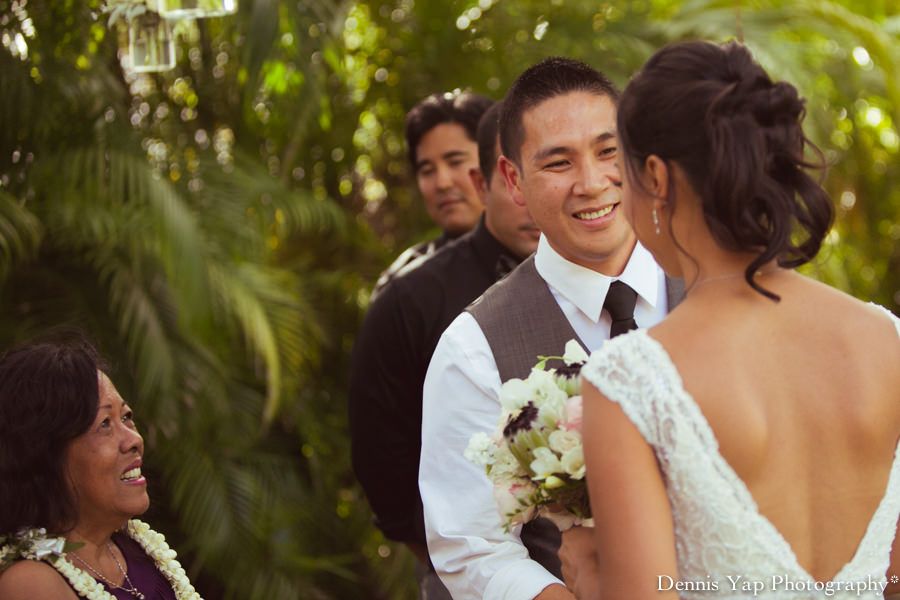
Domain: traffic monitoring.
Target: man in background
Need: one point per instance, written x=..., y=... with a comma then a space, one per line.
x=395, y=344
x=441, y=142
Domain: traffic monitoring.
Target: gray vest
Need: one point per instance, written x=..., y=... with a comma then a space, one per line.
x=520, y=320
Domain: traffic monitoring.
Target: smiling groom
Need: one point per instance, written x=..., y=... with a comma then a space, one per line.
x=558, y=138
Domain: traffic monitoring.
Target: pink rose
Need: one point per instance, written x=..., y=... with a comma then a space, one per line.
x=573, y=413
x=509, y=496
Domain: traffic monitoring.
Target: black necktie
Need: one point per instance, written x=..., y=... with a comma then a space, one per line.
x=620, y=301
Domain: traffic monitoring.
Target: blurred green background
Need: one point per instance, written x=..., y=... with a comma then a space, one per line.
x=217, y=227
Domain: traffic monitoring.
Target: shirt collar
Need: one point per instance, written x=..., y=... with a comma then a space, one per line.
x=587, y=289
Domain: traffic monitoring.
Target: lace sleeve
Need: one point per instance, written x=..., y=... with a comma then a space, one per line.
x=893, y=317
x=627, y=371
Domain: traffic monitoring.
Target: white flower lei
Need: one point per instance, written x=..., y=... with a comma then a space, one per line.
x=34, y=544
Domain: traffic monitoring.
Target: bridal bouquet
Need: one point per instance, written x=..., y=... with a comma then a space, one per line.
x=535, y=458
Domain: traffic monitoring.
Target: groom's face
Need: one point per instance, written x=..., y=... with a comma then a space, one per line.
x=569, y=180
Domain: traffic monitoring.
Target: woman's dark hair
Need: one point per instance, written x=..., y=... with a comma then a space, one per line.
x=48, y=397
x=738, y=136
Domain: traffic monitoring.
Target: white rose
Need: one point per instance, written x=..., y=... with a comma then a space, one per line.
x=561, y=441
x=548, y=398
x=505, y=465
x=545, y=463
x=573, y=462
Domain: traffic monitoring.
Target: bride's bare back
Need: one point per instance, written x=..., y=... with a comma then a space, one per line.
x=802, y=396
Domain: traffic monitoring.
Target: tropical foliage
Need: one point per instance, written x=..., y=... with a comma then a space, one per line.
x=216, y=228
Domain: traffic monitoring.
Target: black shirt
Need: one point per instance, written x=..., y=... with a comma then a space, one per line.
x=408, y=260
x=388, y=365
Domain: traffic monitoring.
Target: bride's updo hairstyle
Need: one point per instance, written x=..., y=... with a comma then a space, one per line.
x=738, y=137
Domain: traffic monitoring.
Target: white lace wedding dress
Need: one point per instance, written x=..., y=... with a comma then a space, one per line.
x=725, y=547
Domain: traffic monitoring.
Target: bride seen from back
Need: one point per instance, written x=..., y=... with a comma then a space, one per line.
x=750, y=437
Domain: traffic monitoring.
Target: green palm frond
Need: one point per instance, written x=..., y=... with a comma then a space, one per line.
x=20, y=233
x=201, y=497
x=264, y=23
x=109, y=196
x=881, y=45
x=248, y=193
x=146, y=318
x=235, y=294
x=254, y=298
x=226, y=490
x=18, y=109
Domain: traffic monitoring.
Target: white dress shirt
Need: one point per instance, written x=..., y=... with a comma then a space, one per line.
x=468, y=547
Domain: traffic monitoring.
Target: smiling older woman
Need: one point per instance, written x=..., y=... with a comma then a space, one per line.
x=70, y=483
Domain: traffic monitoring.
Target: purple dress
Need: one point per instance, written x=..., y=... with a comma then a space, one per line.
x=141, y=571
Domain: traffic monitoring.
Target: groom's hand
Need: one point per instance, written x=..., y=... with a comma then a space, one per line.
x=578, y=554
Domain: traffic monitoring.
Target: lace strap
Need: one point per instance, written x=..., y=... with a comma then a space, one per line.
x=892, y=316
x=629, y=371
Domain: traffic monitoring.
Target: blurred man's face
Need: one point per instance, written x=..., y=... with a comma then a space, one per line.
x=509, y=222
x=445, y=155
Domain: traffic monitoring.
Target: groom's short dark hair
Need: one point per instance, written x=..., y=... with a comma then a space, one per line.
x=547, y=79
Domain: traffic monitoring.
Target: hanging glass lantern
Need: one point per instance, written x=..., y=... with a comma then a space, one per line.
x=195, y=9
x=151, y=44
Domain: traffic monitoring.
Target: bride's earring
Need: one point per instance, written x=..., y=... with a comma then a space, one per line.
x=656, y=221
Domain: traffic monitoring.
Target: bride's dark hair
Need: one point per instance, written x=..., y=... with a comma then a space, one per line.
x=738, y=136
